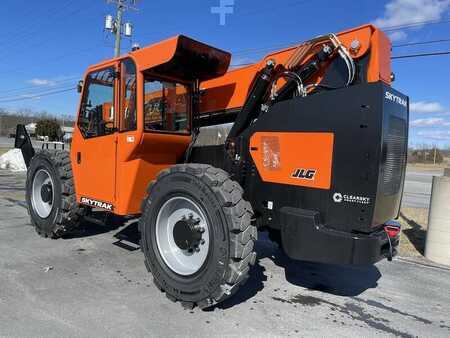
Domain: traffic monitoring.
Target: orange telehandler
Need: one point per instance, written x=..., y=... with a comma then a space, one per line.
x=309, y=144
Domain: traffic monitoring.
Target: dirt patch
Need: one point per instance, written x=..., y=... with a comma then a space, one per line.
x=414, y=226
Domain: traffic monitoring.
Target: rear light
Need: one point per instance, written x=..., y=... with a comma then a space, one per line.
x=392, y=230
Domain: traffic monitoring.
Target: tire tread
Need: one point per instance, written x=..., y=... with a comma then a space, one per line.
x=242, y=231
x=71, y=212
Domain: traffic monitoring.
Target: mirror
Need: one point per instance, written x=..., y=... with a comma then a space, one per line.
x=80, y=86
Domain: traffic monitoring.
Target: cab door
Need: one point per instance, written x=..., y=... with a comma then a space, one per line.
x=94, y=146
x=129, y=166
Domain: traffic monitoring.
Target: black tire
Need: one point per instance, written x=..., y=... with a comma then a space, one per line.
x=232, y=234
x=65, y=213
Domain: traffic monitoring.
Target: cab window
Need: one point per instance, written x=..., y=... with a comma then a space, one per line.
x=96, y=116
x=128, y=96
x=166, y=106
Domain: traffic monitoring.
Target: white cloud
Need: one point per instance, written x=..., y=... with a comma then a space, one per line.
x=42, y=82
x=430, y=122
x=437, y=135
x=398, y=36
x=404, y=12
x=425, y=107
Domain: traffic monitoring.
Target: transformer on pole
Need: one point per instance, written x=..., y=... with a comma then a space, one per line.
x=115, y=26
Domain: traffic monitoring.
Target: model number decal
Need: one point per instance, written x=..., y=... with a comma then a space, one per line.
x=396, y=99
x=97, y=204
x=304, y=174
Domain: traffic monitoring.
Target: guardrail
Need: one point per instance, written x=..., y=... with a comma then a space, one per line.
x=47, y=144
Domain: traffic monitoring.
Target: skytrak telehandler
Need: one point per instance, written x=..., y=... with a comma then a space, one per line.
x=309, y=144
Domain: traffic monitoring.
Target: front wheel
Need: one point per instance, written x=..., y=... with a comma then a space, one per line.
x=197, y=234
x=50, y=194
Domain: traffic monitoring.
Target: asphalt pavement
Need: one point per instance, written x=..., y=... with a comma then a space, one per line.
x=90, y=285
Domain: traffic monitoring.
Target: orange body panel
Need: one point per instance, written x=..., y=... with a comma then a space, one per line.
x=161, y=52
x=154, y=152
x=94, y=153
x=230, y=91
x=300, y=159
x=118, y=168
x=380, y=58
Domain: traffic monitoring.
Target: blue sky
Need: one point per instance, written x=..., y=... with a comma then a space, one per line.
x=46, y=45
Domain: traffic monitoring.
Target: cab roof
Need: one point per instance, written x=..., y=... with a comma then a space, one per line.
x=179, y=57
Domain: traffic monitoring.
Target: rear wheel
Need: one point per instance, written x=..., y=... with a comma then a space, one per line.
x=197, y=235
x=50, y=194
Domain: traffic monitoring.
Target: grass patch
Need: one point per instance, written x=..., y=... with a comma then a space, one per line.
x=414, y=229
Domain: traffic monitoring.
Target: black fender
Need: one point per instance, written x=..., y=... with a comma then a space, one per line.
x=23, y=142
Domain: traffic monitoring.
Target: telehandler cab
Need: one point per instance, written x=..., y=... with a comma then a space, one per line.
x=309, y=144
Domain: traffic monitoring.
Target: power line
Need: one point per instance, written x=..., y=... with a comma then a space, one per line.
x=283, y=46
x=29, y=96
x=409, y=56
x=414, y=24
x=421, y=43
x=36, y=96
x=264, y=49
x=419, y=55
x=53, y=84
x=236, y=13
x=19, y=45
x=31, y=24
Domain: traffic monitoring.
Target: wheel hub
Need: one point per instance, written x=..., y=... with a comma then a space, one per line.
x=42, y=193
x=187, y=234
x=47, y=193
x=182, y=235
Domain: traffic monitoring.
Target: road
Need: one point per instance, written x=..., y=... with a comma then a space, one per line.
x=418, y=184
x=97, y=288
x=6, y=142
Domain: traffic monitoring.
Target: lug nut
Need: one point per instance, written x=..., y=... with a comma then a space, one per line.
x=202, y=242
x=197, y=249
x=201, y=230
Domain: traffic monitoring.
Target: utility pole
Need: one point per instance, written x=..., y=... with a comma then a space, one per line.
x=115, y=26
x=119, y=28
x=435, y=154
